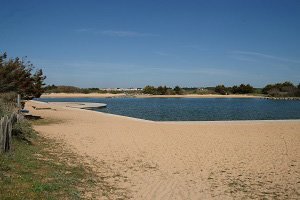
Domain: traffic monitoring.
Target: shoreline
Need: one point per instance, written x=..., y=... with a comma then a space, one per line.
x=180, y=157
x=68, y=105
x=81, y=95
x=193, y=122
x=109, y=95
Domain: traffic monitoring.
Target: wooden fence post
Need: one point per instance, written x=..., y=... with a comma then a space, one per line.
x=19, y=101
x=4, y=133
x=8, y=135
x=6, y=124
x=1, y=135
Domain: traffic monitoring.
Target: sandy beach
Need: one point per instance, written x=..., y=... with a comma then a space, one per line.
x=109, y=95
x=81, y=95
x=198, y=96
x=177, y=160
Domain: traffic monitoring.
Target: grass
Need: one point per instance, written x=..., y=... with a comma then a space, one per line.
x=41, y=168
x=48, y=121
x=43, y=171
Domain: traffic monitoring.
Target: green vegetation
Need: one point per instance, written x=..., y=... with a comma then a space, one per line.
x=279, y=89
x=162, y=90
x=6, y=105
x=16, y=75
x=72, y=89
x=42, y=170
x=286, y=89
x=219, y=89
x=178, y=90
x=242, y=89
x=47, y=121
x=37, y=168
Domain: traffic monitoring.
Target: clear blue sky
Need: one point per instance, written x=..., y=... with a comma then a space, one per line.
x=132, y=43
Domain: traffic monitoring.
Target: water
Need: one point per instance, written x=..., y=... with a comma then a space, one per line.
x=192, y=109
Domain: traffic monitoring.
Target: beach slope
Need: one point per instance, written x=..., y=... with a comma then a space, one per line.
x=160, y=160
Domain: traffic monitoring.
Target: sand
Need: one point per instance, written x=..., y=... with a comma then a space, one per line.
x=174, y=160
x=108, y=95
x=81, y=95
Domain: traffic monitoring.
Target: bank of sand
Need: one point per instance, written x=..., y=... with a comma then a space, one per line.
x=198, y=96
x=206, y=160
x=109, y=95
x=81, y=95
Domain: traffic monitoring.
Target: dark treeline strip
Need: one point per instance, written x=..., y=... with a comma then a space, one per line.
x=162, y=90
x=73, y=89
x=286, y=89
x=242, y=89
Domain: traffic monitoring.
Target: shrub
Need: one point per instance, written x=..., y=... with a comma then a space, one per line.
x=242, y=89
x=23, y=130
x=221, y=89
x=178, y=90
x=7, y=103
x=281, y=89
x=149, y=90
x=161, y=90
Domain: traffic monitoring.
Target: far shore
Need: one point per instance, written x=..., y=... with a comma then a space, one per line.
x=110, y=95
x=81, y=95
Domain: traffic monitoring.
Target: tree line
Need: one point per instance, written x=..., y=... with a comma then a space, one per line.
x=162, y=90
x=241, y=89
x=72, y=89
x=219, y=89
x=286, y=89
x=17, y=75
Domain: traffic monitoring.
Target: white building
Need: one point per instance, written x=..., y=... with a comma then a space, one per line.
x=121, y=89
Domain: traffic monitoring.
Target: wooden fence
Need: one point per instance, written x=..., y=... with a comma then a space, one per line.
x=6, y=124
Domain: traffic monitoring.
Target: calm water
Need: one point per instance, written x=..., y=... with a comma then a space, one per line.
x=191, y=109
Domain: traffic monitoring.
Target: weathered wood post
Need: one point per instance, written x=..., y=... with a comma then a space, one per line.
x=8, y=141
x=19, y=101
x=1, y=135
x=4, y=130
x=6, y=124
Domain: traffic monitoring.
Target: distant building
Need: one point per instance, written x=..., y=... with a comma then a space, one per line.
x=121, y=89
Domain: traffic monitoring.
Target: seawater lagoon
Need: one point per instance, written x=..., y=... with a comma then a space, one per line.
x=195, y=109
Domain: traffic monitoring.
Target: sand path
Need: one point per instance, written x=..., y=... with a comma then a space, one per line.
x=211, y=160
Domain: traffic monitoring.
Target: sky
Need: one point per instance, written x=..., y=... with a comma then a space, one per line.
x=133, y=43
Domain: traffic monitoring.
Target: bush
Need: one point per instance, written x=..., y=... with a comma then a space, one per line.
x=8, y=97
x=221, y=89
x=149, y=90
x=23, y=130
x=161, y=90
x=242, y=89
x=7, y=103
x=281, y=89
x=178, y=90
x=62, y=89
